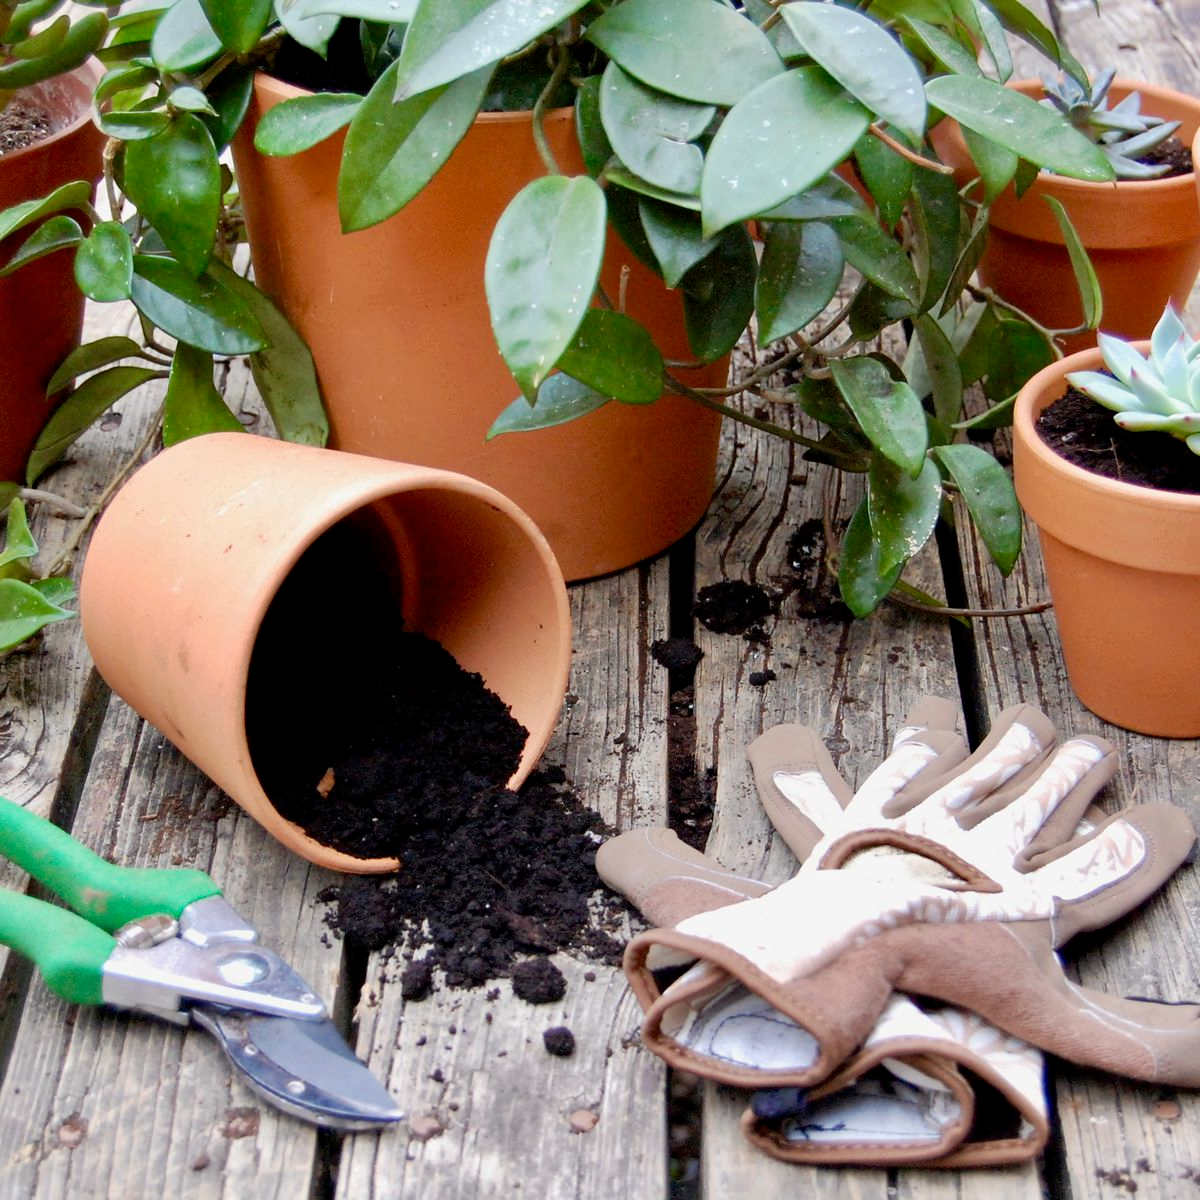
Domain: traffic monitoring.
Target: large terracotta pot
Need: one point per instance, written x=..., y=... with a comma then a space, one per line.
x=1143, y=236
x=189, y=555
x=398, y=323
x=41, y=309
x=1123, y=566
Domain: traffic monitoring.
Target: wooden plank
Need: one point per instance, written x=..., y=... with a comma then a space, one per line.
x=854, y=682
x=1115, y=1135
x=474, y=1066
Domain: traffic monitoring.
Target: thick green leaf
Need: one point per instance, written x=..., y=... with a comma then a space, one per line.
x=995, y=43
x=949, y=51
x=368, y=10
x=229, y=95
x=1017, y=18
x=802, y=266
x=71, y=195
x=393, y=150
x=104, y=263
x=183, y=39
x=55, y=233
x=826, y=200
x=997, y=164
x=861, y=579
x=625, y=219
x=872, y=310
x=968, y=260
x=902, y=510
x=613, y=354
x=57, y=589
x=865, y=59
x=936, y=225
x=988, y=492
x=718, y=295
x=1022, y=125
x=193, y=405
x=174, y=179
x=131, y=77
x=238, y=23
x=91, y=356
x=627, y=179
x=888, y=410
x=878, y=256
x=652, y=133
x=694, y=49
x=283, y=370
x=542, y=266
x=1085, y=274
x=302, y=122
x=941, y=369
x=589, y=128
x=314, y=31
x=133, y=126
x=195, y=310
x=19, y=543
x=91, y=399
x=675, y=238
x=446, y=42
x=24, y=611
x=44, y=42
x=559, y=399
x=776, y=143
x=887, y=175
x=1017, y=352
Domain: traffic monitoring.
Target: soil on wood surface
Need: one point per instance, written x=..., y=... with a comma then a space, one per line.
x=733, y=606
x=23, y=124
x=382, y=745
x=1085, y=434
x=812, y=587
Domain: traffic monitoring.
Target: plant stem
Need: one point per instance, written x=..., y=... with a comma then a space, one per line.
x=562, y=63
x=901, y=149
x=63, y=561
x=681, y=389
x=940, y=610
x=68, y=508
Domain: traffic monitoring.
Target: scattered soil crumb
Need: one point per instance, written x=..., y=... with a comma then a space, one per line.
x=538, y=981
x=679, y=655
x=425, y=1127
x=201, y=1162
x=72, y=1131
x=761, y=678
x=583, y=1120
x=559, y=1041
x=1167, y=1110
x=240, y=1123
x=1117, y=1177
x=732, y=606
x=417, y=980
x=812, y=588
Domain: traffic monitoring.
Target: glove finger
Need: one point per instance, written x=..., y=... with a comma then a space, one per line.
x=1113, y=867
x=665, y=879
x=798, y=785
x=943, y=1088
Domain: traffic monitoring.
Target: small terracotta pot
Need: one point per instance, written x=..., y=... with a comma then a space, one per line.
x=41, y=309
x=399, y=327
x=191, y=551
x=1143, y=236
x=1123, y=566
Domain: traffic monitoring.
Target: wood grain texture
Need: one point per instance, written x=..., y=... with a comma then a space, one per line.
x=471, y=1064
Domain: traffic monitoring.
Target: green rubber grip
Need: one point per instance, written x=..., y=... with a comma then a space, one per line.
x=107, y=895
x=69, y=952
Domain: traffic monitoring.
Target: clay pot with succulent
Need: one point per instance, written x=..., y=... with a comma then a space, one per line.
x=1118, y=515
x=1142, y=235
x=685, y=122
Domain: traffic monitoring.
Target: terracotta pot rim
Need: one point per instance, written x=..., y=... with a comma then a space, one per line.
x=1042, y=390
x=280, y=87
x=89, y=74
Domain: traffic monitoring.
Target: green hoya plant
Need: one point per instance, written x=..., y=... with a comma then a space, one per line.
x=1157, y=392
x=1123, y=132
x=28, y=603
x=698, y=121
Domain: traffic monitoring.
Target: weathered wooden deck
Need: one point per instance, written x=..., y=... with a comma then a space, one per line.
x=100, y=1104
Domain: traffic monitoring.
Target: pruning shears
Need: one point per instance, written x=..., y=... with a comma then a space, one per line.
x=165, y=942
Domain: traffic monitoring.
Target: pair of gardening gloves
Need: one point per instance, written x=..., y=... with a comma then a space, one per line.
x=949, y=876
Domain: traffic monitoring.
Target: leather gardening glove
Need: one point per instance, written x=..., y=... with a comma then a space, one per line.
x=959, y=893
x=904, y=1098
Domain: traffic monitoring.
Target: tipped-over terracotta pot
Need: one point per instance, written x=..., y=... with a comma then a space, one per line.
x=41, y=308
x=1123, y=566
x=398, y=323
x=189, y=555
x=1143, y=236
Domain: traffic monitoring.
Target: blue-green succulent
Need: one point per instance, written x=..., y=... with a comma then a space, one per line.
x=1123, y=132
x=1159, y=392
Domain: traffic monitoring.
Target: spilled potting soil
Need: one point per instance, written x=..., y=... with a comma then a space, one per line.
x=382, y=745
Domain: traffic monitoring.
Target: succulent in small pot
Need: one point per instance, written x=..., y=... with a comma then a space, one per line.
x=694, y=118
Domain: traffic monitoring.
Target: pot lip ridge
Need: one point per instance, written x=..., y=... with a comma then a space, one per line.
x=88, y=76
x=1041, y=391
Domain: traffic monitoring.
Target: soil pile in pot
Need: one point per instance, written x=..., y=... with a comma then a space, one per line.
x=382, y=745
x=22, y=125
x=1084, y=433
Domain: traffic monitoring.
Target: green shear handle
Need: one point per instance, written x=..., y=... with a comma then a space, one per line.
x=70, y=951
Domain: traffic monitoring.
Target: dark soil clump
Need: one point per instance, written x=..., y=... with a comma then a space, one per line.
x=538, y=981
x=812, y=589
x=732, y=606
x=680, y=656
x=1084, y=433
x=384, y=746
x=22, y=125
x=559, y=1041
